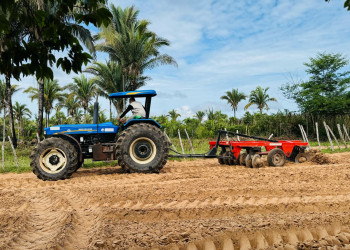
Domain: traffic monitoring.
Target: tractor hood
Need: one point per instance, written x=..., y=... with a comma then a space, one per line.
x=103, y=128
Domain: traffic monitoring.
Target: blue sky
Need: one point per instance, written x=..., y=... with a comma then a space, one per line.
x=220, y=45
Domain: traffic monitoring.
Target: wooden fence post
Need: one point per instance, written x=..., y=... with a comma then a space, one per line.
x=341, y=135
x=227, y=136
x=170, y=140
x=14, y=152
x=346, y=132
x=302, y=132
x=189, y=140
x=305, y=136
x=329, y=137
x=37, y=136
x=182, y=147
x=335, y=138
x=318, y=137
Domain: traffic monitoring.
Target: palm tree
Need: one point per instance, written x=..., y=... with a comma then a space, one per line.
x=8, y=40
x=108, y=78
x=84, y=89
x=21, y=111
x=128, y=41
x=260, y=98
x=36, y=34
x=233, y=97
x=173, y=115
x=200, y=115
x=52, y=93
x=71, y=103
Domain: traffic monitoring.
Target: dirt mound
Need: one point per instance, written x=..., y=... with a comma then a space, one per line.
x=318, y=157
x=197, y=204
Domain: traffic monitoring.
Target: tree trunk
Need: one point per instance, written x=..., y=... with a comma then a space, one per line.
x=9, y=106
x=40, y=106
x=110, y=109
x=18, y=128
x=3, y=139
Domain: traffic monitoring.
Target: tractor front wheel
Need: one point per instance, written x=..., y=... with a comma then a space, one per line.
x=142, y=148
x=54, y=159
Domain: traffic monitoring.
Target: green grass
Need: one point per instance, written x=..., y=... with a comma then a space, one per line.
x=336, y=150
x=23, y=153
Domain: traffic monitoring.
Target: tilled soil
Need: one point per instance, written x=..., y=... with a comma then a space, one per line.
x=190, y=205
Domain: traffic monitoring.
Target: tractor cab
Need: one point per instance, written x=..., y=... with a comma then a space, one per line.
x=147, y=94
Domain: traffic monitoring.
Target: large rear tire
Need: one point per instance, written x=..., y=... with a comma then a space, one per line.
x=54, y=159
x=142, y=148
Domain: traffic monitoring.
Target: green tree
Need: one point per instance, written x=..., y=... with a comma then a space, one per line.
x=200, y=115
x=52, y=93
x=71, y=103
x=4, y=100
x=173, y=115
x=84, y=89
x=128, y=41
x=40, y=28
x=109, y=79
x=260, y=98
x=326, y=92
x=20, y=111
x=233, y=97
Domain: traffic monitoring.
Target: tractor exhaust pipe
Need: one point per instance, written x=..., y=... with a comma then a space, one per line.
x=95, y=118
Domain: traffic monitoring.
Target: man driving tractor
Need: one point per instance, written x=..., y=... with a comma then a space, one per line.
x=138, y=111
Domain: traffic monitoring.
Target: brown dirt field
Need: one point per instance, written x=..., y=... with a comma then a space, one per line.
x=189, y=205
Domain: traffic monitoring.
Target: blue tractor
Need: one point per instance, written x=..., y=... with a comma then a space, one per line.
x=138, y=145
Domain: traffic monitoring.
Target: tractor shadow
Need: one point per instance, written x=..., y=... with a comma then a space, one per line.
x=98, y=171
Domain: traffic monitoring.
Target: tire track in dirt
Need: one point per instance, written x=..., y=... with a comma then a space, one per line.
x=47, y=221
x=334, y=235
x=265, y=204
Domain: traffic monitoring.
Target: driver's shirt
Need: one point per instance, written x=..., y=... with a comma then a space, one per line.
x=137, y=109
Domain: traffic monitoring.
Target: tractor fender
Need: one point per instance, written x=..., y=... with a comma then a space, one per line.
x=135, y=121
x=74, y=142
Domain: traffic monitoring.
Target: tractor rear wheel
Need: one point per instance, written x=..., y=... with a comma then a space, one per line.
x=142, y=148
x=54, y=159
x=276, y=157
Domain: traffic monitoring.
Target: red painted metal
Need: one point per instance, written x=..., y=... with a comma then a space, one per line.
x=237, y=146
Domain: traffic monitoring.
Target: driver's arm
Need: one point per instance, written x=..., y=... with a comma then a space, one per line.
x=126, y=111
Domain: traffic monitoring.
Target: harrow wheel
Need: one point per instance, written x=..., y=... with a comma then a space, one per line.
x=257, y=162
x=302, y=157
x=276, y=158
